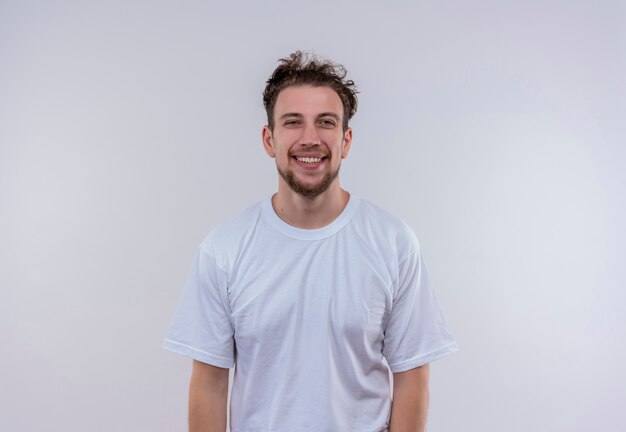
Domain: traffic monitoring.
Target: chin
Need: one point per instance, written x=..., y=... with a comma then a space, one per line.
x=308, y=189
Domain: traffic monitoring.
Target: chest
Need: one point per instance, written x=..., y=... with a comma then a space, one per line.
x=310, y=291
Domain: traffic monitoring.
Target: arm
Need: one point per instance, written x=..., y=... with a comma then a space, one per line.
x=410, y=400
x=208, y=394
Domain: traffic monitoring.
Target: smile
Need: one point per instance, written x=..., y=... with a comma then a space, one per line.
x=309, y=160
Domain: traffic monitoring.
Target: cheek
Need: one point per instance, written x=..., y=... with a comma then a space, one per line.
x=283, y=154
x=334, y=141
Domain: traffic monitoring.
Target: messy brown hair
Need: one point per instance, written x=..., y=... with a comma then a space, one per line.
x=306, y=69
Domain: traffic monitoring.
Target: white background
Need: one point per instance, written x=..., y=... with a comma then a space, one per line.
x=128, y=129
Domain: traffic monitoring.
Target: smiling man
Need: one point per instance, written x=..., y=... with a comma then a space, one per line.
x=314, y=295
x=314, y=125
x=308, y=140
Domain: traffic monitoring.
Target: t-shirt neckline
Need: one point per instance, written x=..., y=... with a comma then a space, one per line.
x=310, y=234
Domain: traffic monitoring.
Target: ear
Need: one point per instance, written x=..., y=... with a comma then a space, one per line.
x=268, y=141
x=347, y=140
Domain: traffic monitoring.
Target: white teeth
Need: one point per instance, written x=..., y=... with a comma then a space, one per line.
x=310, y=160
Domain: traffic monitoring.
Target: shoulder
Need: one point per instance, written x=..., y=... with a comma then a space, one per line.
x=228, y=237
x=384, y=229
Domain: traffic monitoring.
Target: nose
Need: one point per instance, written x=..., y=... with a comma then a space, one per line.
x=310, y=135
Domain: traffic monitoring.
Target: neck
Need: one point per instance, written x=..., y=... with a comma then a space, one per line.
x=309, y=213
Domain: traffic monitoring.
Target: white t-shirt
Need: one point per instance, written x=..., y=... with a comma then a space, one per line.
x=309, y=317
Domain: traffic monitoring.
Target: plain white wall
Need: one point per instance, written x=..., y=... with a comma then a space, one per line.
x=128, y=129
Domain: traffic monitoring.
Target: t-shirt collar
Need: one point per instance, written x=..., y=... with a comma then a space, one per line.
x=310, y=234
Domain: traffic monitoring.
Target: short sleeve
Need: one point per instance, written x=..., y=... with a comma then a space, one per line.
x=416, y=332
x=201, y=328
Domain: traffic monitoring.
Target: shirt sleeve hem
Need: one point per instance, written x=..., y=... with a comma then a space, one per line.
x=423, y=359
x=196, y=354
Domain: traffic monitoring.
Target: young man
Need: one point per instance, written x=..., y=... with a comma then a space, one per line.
x=314, y=294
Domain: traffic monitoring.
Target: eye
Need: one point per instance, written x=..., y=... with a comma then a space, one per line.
x=292, y=123
x=327, y=123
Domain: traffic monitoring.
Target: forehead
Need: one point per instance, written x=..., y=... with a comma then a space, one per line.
x=308, y=99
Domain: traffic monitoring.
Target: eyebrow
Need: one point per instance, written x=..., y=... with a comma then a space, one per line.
x=298, y=115
x=290, y=115
x=329, y=114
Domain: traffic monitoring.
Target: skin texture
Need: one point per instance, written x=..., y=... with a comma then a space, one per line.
x=308, y=120
x=409, y=408
x=208, y=393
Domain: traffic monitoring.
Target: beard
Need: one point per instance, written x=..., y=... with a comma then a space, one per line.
x=308, y=191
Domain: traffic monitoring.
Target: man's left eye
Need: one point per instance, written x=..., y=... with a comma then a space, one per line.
x=328, y=122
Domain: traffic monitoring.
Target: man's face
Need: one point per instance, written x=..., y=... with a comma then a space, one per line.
x=308, y=140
